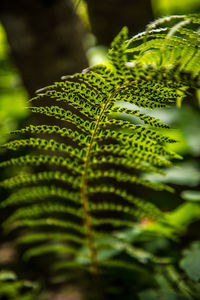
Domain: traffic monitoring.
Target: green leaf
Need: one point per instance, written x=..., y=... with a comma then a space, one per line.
x=89, y=153
x=190, y=262
x=191, y=195
x=160, y=295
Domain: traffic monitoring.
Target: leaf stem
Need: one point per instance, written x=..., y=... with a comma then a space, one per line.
x=84, y=183
x=85, y=199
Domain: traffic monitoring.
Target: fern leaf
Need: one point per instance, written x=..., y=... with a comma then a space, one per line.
x=87, y=182
x=49, y=223
x=120, y=176
x=48, y=236
x=25, y=178
x=37, y=210
x=147, y=119
x=43, y=144
x=116, y=53
x=11, y=287
x=127, y=163
x=29, y=195
x=144, y=207
x=74, y=135
x=37, y=160
x=65, y=115
x=46, y=249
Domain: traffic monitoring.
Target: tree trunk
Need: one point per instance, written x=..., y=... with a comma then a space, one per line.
x=46, y=39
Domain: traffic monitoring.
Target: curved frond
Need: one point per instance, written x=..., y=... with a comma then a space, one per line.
x=80, y=176
x=25, y=178
x=33, y=194
x=44, y=159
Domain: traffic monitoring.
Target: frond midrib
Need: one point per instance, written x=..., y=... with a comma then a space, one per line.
x=84, y=182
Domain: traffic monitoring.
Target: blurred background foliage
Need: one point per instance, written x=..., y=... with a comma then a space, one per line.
x=13, y=95
x=43, y=40
x=170, y=7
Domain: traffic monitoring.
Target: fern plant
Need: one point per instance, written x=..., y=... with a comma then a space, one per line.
x=88, y=158
x=13, y=288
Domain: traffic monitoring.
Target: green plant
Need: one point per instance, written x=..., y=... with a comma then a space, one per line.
x=13, y=288
x=95, y=152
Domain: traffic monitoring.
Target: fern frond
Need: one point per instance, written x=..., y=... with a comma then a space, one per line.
x=11, y=287
x=25, y=178
x=43, y=144
x=146, y=118
x=127, y=163
x=85, y=105
x=49, y=236
x=87, y=170
x=140, y=129
x=120, y=176
x=141, y=101
x=116, y=54
x=138, y=155
x=50, y=249
x=74, y=135
x=49, y=223
x=38, y=210
x=29, y=195
x=65, y=115
x=146, y=208
x=36, y=160
x=94, y=81
x=163, y=20
x=139, y=148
